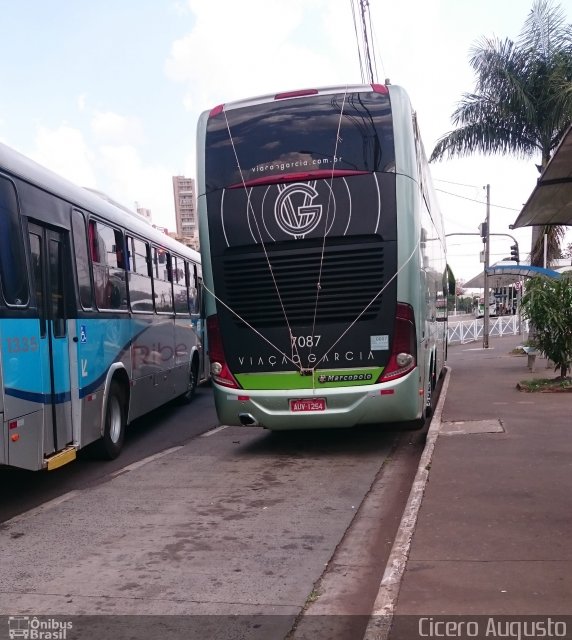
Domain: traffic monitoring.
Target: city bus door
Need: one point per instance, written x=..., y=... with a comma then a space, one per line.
x=51, y=270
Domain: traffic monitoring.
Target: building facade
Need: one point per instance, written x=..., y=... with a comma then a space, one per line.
x=185, y=212
x=145, y=213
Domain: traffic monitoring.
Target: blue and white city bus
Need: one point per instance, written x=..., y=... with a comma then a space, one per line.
x=324, y=259
x=99, y=318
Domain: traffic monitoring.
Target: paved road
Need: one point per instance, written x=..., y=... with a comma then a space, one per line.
x=234, y=522
x=169, y=426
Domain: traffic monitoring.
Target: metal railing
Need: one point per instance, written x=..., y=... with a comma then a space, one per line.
x=465, y=331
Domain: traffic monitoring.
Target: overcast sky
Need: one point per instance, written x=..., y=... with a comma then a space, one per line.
x=108, y=93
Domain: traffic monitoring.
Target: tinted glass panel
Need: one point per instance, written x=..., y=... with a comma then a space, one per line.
x=161, y=281
x=37, y=272
x=181, y=299
x=140, y=292
x=163, y=296
x=138, y=253
x=108, y=273
x=299, y=136
x=140, y=283
x=57, y=288
x=81, y=260
x=13, y=271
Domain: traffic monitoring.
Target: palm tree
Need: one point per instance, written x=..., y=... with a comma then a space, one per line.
x=522, y=102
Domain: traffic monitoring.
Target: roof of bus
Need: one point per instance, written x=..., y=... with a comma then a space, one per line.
x=298, y=93
x=30, y=171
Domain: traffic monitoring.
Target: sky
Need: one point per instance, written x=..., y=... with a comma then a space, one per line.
x=108, y=93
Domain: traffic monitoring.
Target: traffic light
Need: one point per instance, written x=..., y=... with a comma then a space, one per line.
x=484, y=230
x=514, y=253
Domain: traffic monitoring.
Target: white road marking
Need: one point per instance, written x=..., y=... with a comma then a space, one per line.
x=144, y=461
x=43, y=507
x=211, y=433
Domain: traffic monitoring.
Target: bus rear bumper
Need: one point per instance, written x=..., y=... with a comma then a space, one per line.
x=401, y=400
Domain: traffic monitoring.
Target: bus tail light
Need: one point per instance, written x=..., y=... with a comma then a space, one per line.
x=296, y=94
x=403, y=358
x=219, y=369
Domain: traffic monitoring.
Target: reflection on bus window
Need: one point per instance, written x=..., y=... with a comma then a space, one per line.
x=161, y=284
x=179, y=286
x=107, y=254
x=13, y=271
x=82, y=260
x=140, y=283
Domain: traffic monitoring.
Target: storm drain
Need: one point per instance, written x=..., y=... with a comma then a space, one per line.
x=468, y=427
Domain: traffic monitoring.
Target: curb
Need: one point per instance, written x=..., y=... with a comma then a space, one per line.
x=381, y=616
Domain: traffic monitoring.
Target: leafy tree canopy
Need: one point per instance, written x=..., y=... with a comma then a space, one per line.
x=522, y=102
x=547, y=303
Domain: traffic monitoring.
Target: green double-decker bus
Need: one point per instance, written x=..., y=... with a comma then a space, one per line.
x=324, y=260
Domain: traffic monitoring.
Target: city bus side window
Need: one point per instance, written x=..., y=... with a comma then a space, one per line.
x=194, y=301
x=13, y=270
x=109, y=277
x=140, y=283
x=179, y=286
x=81, y=259
x=200, y=293
x=161, y=284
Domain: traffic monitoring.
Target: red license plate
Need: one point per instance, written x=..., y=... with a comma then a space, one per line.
x=308, y=404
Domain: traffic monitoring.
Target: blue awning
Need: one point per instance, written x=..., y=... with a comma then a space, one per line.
x=521, y=270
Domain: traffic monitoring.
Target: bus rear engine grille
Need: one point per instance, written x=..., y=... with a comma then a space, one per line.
x=351, y=278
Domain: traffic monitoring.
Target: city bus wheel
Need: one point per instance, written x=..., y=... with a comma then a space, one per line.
x=192, y=384
x=111, y=443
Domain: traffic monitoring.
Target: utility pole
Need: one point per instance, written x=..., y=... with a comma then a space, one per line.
x=486, y=240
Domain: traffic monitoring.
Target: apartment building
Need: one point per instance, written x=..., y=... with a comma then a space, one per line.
x=185, y=213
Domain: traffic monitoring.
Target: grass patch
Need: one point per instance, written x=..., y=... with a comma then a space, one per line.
x=546, y=385
x=314, y=595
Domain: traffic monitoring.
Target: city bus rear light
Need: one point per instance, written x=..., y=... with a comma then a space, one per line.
x=380, y=88
x=216, y=110
x=222, y=375
x=296, y=94
x=404, y=359
x=403, y=355
x=219, y=369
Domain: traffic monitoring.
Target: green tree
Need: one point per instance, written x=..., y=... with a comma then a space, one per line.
x=522, y=101
x=547, y=303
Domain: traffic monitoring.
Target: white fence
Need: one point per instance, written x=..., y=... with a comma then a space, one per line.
x=465, y=331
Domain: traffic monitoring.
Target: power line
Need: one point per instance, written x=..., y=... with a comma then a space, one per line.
x=498, y=206
x=363, y=41
x=460, y=184
x=364, y=6
x=357, y=41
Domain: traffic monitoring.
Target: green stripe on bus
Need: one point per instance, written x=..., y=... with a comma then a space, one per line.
x=322, y=379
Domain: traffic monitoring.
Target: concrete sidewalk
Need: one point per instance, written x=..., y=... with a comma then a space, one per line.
x=493, y=535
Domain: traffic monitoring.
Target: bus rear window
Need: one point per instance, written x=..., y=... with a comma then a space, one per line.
x=278, y=138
